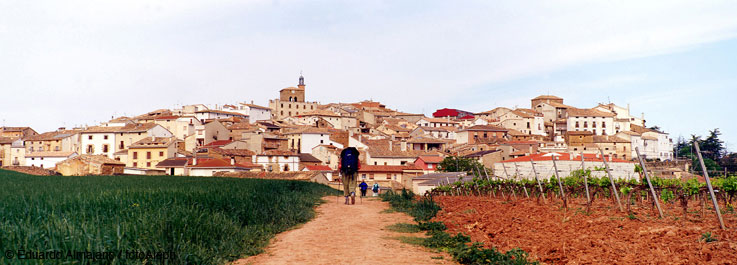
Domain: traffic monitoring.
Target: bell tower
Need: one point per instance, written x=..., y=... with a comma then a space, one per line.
x=301, y=84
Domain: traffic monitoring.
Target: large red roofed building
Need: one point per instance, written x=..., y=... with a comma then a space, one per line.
x=452, y=114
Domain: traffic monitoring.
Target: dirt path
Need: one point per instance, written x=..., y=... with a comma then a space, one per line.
x=343, y=234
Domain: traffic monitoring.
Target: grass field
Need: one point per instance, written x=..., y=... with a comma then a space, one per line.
x=198, y=220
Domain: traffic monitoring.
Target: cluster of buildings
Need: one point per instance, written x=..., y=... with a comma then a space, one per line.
x=296, y=135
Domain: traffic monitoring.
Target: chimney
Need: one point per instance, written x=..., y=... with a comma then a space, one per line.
x=403, y=144
x=394, y=138
x=570, y=156
x=62, y=128
x=597, y=155
x=251, y=102
x=232, y=161
x=153, y=138
x=194, y=160
x=391, y=145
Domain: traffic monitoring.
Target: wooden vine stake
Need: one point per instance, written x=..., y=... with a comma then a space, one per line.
x=507, y=177
x=708, y=184
x=537, y=179
x=585, y=183
x=652, y=190
x=560, y=185
x=516, y=176
x=611, y=180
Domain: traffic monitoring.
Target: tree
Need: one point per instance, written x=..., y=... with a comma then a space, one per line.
x=655, y=128
x=460, y=164
x=712, y=147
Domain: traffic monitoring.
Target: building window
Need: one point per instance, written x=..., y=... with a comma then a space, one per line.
x=135, y=155
x=161, y=154
x=89, y=137
x=104, y=148
x=104, y=137
x=376, y=163
x=148, y=164
x=593, y=124
x=371, y=176
x=148, y=155
x=603, y=124
x=135, y=164
x=363, y=176
x=585, y=124
x=576, y=124
x=90, y=149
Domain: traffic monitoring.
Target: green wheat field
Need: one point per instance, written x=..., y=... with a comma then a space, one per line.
x=198, y=220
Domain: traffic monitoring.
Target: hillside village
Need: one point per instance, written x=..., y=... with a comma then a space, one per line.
x=293, y=136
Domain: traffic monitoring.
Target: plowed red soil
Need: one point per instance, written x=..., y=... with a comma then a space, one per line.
x=553, y=235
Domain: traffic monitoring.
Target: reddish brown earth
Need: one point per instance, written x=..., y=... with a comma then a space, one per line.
x=347, y=234
x=553, y=235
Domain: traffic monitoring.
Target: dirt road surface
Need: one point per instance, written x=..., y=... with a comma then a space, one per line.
x=347, y=234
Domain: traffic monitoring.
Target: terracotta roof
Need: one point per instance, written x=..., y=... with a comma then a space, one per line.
x=49, y=136
x=50, y=154
x=491, y=128
x=243, y=126
x=318, y=168
x=14, y=129
x=290, y=88
x=128, y=128
x=167, y=117
x=308, y=130
x=493, y=110
x=173, y=162
x=588, y=113
x=148, y=142
x=639, y=129
x=233, y=152
x=421, y=139
x=482, y=153
x=255, y=106
x=6, y=140
x=218, y=143
x=304, y=157
x=546, y=97
x=562, y=157
x=277, y=152
x=559, y=105
x=514, y=132
x=431, y=159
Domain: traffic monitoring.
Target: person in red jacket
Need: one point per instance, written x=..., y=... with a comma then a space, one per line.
x=348, y=167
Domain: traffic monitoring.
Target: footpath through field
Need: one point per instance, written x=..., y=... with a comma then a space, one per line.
x=347, y=234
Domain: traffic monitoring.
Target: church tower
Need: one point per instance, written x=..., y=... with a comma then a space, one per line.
x=301, y=82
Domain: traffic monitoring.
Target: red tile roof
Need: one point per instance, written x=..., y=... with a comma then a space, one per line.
x=318, y=168
x=218, y=143
x=431, y=159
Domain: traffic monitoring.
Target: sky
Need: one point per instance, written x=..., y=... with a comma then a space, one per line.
x=69, y=63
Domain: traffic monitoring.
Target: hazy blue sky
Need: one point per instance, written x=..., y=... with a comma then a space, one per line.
x=64, y=63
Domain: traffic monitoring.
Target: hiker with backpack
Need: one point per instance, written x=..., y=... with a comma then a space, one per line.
x=348, y=167
x=363, y=187
x=375, y=189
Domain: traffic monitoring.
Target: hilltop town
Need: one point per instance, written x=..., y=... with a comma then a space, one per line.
x=293, y=135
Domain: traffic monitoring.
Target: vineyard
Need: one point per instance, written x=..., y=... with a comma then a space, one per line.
x=199, y=220
x=632, y=191
x=568, y=226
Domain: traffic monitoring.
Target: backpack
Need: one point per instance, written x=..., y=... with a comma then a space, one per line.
x=349, y=160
